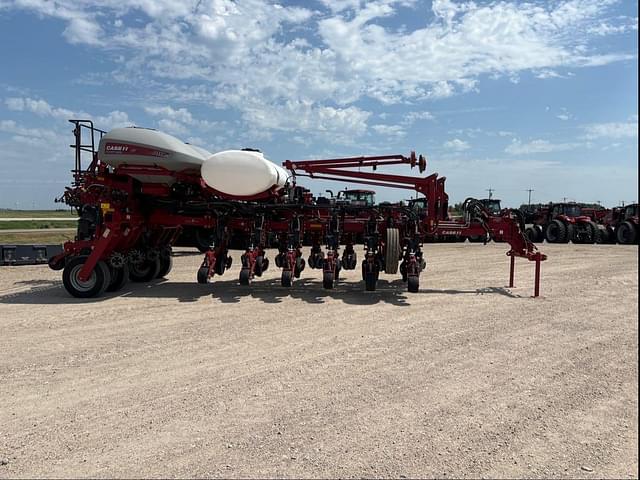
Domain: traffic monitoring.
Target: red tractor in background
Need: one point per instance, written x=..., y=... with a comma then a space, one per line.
x=626, y=230
x=610, y=221
x=564, y=222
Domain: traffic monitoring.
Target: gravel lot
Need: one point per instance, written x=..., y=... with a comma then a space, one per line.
x=466, y=378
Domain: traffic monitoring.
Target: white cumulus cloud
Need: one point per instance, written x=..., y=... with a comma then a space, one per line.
x=612, y=130
x=538, y=146
x=456, y=145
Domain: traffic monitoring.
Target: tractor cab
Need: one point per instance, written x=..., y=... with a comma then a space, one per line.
x=568, y=210
x=356, y=198
x=631, y=212
x=492, y=204
x=417, y=204
x=627, y=229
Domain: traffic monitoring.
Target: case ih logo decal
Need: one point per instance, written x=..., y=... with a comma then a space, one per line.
x=126, y=149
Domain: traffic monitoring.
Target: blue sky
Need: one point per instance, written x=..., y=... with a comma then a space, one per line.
x=508, y=95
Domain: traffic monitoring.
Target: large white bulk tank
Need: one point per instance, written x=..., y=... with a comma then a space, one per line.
x=142, y=146
x=242, y=173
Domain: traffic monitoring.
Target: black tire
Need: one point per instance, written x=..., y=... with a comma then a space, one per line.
x=221, y=265
x=532, y=234
x=350, y=261
x=370, y=281
x=97, y=282
x=602, y=234
x=328, y=280
x=258, y=267
x=556, y=232
x=145, y=271
x=300, y=264
x=245, y=276
x=315, y=260
x=413, y=284
x=166, y=265
x=626, y=233
x=392, y=251
x=58, y=265
x=594, y=233
x=119, y=278
x=570, y=232
x=479, y=238
x=203, y=273
x=287, y=278
x=585, y=233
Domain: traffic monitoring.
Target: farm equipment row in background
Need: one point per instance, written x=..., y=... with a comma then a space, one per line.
x=579, y=223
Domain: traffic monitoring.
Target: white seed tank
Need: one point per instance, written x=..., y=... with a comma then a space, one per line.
x=242, y=173
x=145, y=147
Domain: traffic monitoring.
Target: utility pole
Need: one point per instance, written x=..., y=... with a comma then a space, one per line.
x=490, y=190
x=530, y=190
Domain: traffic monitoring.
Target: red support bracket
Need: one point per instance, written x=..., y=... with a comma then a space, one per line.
x=512, y=270
x=536, y=290
x=96, y=254
x=211, y=259
x=534, y=257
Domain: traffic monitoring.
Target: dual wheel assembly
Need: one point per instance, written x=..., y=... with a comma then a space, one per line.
x=289, y=273
x=259, y=266
x=105, y=277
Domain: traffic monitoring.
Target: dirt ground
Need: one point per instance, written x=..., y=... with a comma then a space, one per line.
x=466, y=378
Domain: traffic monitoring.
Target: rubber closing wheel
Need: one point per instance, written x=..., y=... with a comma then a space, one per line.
x=119, y=278
x=370, y=280
x=328, y=280
x=57, y=265
x=413, y=284
x=300, y=264
x=258, y=268
x=287, y=278
x=245, y=276
x=166, y=264
x=392, y=251
x=145, y=271
x=203, y=275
